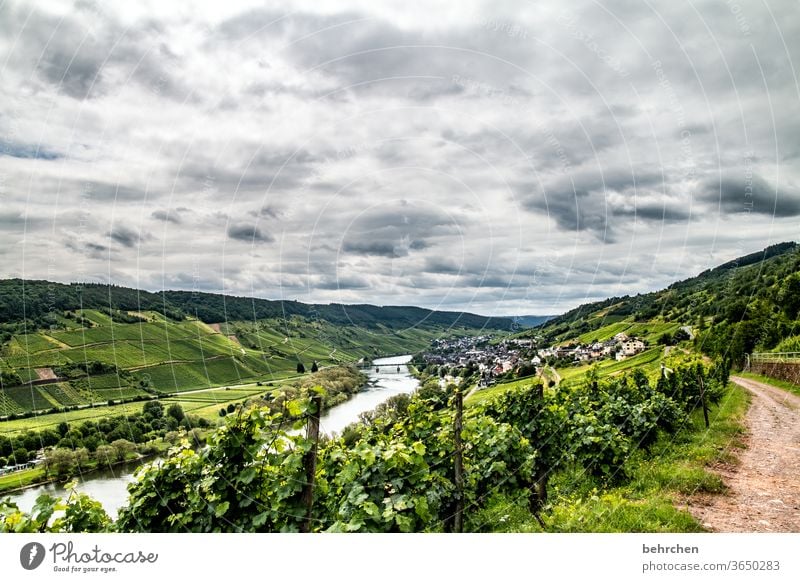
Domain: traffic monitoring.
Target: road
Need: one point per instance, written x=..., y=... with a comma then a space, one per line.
x=764, y=488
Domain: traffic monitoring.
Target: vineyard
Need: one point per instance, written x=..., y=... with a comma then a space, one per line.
x=425, y=464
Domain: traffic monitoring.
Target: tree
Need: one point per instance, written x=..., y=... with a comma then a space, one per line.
x=21, y=456
x=175, y=411
x=301, y=369
x=123, y=448
x=153, y=409
x=81, y=457
x=231, y=408
x=789, y=296
x=105, y=455
x=59, y=461
x=62, y=428
x=680, y=335
x=666, y=339
x=314, y=367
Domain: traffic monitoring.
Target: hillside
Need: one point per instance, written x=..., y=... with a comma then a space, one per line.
x=68, y=346
x=39, y=303
x=749, y=304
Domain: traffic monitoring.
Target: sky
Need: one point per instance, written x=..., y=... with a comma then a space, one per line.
x=502, y=157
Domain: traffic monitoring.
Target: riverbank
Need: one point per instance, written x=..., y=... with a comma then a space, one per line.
x=27, y=478
x=370, y=391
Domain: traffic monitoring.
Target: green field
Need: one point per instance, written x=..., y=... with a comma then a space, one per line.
x=157, y=355
x=648, y=331
x=649, y=361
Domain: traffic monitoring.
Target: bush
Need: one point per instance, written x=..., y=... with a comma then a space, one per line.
x=176, y=412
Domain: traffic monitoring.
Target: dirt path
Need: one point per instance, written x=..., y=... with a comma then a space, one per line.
x=764, y=489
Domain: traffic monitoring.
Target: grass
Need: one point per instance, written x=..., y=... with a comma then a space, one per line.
x=648, y=331
x=648, y=361
x=782, y=384
x=490, y=392
x=21, y=479
x=653, y=496
x=38, y=475
x=50, y=420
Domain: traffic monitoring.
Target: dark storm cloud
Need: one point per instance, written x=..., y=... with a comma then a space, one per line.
x=126, y=236
x=20, y=221
x=105, y=191
x=88, y=249
x=28, y=151
x=736, y=195
x=601, y=202
x=76, y=52
x=397, y=231
x=167, y=216
x=378, y=248
x=254, y=167
x=268, y=211
x=344, y=282
x=370, y=55
x=248, y=233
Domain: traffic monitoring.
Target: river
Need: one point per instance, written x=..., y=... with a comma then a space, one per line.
x=109, y=486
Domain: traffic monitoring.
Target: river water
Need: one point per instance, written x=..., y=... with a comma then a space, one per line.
x=109, y=486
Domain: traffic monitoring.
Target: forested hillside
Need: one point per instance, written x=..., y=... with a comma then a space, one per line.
x=42, y=303
x=749, y=304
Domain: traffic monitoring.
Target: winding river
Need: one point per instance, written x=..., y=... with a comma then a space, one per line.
x=109, y=486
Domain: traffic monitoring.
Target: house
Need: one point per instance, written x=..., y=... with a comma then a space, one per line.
x=632, y=347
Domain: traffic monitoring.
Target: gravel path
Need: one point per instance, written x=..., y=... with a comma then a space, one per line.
x=764, y=488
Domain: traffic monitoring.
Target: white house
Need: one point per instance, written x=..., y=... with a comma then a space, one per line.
x=632, y=347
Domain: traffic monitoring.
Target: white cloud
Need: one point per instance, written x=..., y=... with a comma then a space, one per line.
x=496, y=157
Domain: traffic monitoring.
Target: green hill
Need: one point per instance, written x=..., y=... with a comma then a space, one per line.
x=749, y=304
x=66, y=346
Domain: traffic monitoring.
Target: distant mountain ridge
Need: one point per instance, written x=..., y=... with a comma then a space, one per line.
x=532, y=320
x=35, y=300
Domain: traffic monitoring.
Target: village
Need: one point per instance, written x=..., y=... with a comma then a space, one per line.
x=518, y=357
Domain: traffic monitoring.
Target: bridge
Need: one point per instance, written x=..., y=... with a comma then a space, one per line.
x=367, y=366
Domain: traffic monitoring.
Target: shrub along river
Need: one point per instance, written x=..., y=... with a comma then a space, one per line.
x=109, y=486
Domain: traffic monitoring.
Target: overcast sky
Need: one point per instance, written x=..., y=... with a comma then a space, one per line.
x=501, y=157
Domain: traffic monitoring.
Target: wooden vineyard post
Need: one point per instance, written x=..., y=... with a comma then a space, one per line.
x=458, y=518
x=310, y=461
x=703, y=400
x=538, y=490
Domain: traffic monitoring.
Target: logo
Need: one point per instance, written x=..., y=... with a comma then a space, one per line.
x=31, y=555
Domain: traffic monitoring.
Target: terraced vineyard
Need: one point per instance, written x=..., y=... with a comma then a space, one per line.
x=96, y=360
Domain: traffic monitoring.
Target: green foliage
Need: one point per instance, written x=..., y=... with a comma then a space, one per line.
x=395, y=472
x=81, y=514
x=248, y=479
